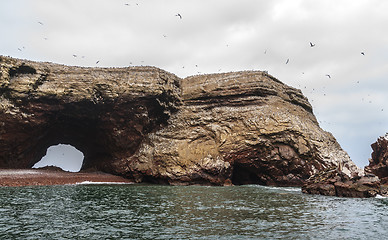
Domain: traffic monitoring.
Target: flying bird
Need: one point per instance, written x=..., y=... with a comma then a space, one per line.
x=74, y=55
x=179, y=15
x=19, y=49
x=311, y=44
x=97, y=62
x=362, y=53
x=40, y=23
x=287, y=60
x=327, y=75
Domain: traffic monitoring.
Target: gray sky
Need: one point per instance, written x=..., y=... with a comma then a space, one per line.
x=222, y=35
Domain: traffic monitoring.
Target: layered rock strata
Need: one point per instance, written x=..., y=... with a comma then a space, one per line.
x=146, y=124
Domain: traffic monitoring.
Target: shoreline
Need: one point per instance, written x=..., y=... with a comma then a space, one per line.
x=44, y=177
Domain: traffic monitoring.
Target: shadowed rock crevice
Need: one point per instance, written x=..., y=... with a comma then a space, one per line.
x=149, y=125
x=22, y=69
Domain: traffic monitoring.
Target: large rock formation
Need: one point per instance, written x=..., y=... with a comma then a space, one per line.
x=378, y=164
x=149, y=125
x=105, y=113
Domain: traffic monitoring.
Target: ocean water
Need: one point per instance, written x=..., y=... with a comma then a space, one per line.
x=185, y=212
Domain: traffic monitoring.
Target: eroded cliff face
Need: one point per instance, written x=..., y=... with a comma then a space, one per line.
x=378, y=164
x=149, y=125
x=244, y=127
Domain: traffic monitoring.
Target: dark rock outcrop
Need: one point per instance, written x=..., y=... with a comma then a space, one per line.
x=378, y=164
x=149, y=125
x=332, y=182
x=105, y=113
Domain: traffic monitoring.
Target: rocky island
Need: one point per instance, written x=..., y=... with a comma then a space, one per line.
x=147, y=125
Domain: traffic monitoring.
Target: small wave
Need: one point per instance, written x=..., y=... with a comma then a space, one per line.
x=287, y=189
x=291, y=189
x=379, y=196
x=100, y=183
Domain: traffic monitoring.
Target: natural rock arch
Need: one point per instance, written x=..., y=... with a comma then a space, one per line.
x=149, y=125
x=105, y=113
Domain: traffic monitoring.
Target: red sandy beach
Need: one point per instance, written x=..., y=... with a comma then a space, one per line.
x=43, y=177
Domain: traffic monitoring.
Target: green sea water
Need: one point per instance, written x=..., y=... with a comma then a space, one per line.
x=185, y=212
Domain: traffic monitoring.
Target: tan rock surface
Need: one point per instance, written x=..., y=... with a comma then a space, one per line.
x=246, y=127
x=148, y=125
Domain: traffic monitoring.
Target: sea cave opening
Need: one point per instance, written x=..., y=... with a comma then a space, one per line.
x=64, y=156
x=246, y=174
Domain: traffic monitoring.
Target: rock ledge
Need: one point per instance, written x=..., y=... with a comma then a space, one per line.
x=333, y=182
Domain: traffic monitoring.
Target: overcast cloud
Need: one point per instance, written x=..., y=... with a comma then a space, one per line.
x=221, y=35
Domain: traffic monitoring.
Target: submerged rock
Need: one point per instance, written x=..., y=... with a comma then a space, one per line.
x=146, y=124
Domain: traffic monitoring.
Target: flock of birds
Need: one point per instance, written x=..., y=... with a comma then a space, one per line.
x=313, y=45
x=98, y=61
x=178, y=15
